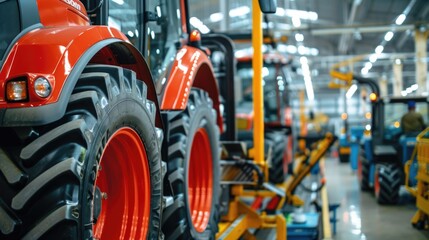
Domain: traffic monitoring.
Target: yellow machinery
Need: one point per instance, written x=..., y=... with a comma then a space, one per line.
x=247, y=175
x=249, y=181
x=420, y=220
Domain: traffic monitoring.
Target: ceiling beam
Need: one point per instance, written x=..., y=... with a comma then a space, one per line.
x=361, y=29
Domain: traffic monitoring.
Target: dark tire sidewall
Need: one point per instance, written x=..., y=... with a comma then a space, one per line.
x=124, y=112
x=201, y=118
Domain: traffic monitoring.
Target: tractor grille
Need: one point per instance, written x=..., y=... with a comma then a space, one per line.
x=10, y=24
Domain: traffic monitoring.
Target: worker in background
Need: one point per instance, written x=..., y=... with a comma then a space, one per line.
x=412, y=121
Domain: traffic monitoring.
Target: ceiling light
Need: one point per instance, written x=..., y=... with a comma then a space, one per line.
x=303, y=60
x=301, y=50
x=364, y=71
x=296, y=21
x=240, y=11
x=309, y=87
x=388, y=36
x=120, y=2
x=299, y=37
x=398, y=61
x=368, y=65
x=307, y=15
x=351, y=91
x=414, y=87
x=408, y=90
x=216, y=17
x=404, y=93
x=199, y=25
x=379, y=49
x=280, y=12
x=373, y=58
x=400, y=19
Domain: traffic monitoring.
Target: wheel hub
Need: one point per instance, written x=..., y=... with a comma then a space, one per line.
x=97, y=204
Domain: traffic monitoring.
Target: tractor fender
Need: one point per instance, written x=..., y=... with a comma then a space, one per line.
x=60, y=54
x=191, y=68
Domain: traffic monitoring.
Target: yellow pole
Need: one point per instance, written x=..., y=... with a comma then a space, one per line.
x=258, y=98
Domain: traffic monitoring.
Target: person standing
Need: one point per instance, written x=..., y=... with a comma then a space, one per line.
x=412, y=121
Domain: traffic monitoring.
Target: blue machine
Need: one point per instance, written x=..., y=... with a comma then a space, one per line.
x=344, y=147
x=356, y=133
x=407, y=144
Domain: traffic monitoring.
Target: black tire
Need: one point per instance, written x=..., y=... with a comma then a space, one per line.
x=177, y=223
x=47, y=173
x=364, y=180
x=389, y=179
x=419, y=225
x=344, y=157
x=277, y=140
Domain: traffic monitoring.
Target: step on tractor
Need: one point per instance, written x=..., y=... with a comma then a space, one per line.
x=110, y=121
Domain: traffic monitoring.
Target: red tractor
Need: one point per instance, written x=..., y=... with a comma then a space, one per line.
x=277, y=111
x=109, y=122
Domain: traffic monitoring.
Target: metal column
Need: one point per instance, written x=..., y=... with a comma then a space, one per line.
x=421, y=64
x=397, y=79
x=258, y=97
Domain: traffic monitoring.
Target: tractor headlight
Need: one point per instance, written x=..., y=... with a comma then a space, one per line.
x=16, y=90
x=42, y=87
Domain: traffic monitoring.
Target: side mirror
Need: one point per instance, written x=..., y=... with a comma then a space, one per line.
x=268, y=6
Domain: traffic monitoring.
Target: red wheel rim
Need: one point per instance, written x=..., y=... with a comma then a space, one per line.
x=124, y=180
x=200, y=180
x=376, y=184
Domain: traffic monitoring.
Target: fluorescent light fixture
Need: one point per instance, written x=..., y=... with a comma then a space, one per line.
x=265, y=72
x=240, y=11
x=404, y=93
x=280, y=12
x=314, y=51
x=306, y=15
x=309, y=87
x=400, y=19
x=351, y=91
x=216, y=17
x=303, y=60
x=414, y=87
x=299, y=37
x=379, y=49
x=368, y=65
x=305, y=70
x=364, y=71
x=301, y=50
x=408, y=90
x=287, y=48
x=398, y=61
x=296, y=21
x=373, y=58
x=199, y=25
x=120, y=2
x=388, y=36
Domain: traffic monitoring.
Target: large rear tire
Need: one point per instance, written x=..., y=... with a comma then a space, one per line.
x=363, y=174
x=387, y=183
x=193, y=171
x=277, y=140
x=95, y=173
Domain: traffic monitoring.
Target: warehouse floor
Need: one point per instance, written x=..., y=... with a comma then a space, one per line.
x=360, y=217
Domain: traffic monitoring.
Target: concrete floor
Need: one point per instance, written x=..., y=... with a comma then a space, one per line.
x=360, y=217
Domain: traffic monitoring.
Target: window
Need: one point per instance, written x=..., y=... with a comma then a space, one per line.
x=163, y=37
x=123, y=16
